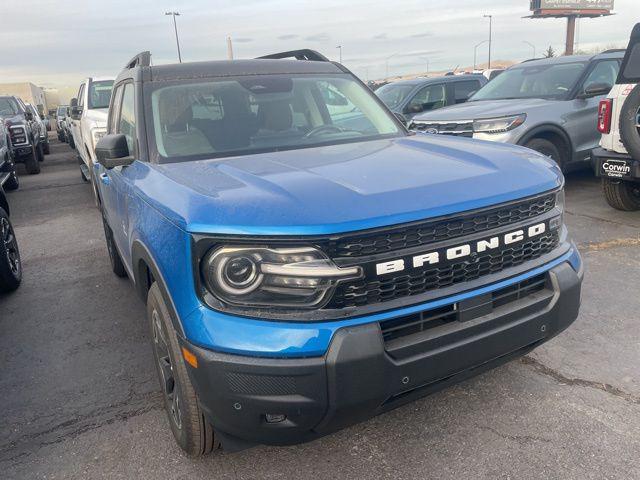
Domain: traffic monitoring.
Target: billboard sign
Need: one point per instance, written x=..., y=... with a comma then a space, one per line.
x=572, y=4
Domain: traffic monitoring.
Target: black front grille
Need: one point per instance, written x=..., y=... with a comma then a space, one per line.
x=460, y=129
x=428, y=319
x=392, y=286
x=423, y=233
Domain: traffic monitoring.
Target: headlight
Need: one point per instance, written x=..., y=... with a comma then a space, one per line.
x=97, y=134
x=301, y=277
x=498, y=125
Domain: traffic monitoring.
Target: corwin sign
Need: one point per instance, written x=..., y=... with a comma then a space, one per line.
x=572, y=4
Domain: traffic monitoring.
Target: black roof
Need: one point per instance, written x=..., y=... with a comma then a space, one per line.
x=441, y=79
x=233, y=68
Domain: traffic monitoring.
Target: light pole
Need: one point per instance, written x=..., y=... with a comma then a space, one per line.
x=175, y=27
x=490, y=17
x=386, y=61
x=475, y=52
x=426, y=60
x=532, y=46
x=339, y=47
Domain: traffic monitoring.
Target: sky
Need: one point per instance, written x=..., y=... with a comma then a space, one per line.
x=60, y=42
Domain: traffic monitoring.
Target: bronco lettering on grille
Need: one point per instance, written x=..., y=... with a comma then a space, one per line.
x=464, y=250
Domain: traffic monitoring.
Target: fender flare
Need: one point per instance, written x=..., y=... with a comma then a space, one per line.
x=549, y=127
x=3, y=202
x=140, y=252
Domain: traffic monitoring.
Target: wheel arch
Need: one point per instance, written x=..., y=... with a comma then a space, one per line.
x=554, y=134
x=4, y=204
x=145, y=272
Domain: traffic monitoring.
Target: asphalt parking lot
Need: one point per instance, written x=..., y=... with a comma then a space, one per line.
x=80, y=394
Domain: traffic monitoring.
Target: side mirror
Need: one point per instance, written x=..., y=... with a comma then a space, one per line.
x=595, y=90
x=41, y=117
x=28, y=116
x=113, y=151
x=415, y=108
x=74, y=110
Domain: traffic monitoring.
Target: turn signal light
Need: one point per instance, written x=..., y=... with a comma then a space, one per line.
x=190, y=358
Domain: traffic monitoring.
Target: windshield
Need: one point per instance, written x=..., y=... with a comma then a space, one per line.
x=62, y=109
x=535, y=81
x=252, y=114
x=8, y=106
x=394, y=95
x=100, y=94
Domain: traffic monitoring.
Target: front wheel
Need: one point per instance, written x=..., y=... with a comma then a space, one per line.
x=622, y=195
x=12, y=182
x=190, y=429
x=545, y=147
x=46, y=150
x=10, y=264
x=32, y=162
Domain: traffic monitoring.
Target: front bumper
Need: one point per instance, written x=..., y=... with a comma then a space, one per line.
x=362, y=375
x=615, y=166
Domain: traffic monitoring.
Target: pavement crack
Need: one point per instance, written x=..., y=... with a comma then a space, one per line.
x=599, y=219
x=516, y=438
x=580, y=382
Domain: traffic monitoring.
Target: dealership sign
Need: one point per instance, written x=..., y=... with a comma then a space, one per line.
x=572, y=4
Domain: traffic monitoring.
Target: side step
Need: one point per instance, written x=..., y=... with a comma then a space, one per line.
x=85, y=172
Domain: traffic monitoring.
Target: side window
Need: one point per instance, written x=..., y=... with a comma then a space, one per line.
x=461, y=90
x=115, y=110
x=127, y=117
x=81, y=96
x=605, y=72
x=342, y=112
x=429, y=98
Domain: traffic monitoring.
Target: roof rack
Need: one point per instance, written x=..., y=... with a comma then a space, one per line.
x=143, y=59
x=303, y=54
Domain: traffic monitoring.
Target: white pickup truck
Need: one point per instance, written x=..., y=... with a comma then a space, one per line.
x=617, y=160
x=88, y=122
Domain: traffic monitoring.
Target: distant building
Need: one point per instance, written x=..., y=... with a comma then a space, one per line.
x=28, y=92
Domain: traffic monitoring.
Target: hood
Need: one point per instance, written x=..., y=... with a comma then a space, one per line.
x=484, y=109
x=342, y=188
x=16, y=119
x=98, y=116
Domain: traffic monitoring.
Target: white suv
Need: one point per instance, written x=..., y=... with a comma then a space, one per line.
x=88, y=120
x=617, y=160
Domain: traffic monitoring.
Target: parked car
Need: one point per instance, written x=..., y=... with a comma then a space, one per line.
x=24, y=133
x=88, y=120
x=42, y=129
x=492, y=73
x=8, y=176
x=10, y=264
x=61, y=115
x=411, y=97
x=617, y=160
x=300, y=277
x=548, y=105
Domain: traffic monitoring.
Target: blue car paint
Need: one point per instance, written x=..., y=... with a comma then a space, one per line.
x=312, y=191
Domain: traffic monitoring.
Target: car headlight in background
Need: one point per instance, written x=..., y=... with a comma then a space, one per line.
x=298, y=277
x=97, y=134
x=498, y=125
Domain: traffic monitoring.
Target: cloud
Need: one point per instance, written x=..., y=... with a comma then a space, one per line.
x=380, y=36
x=420, y=35
x=243, y=40
x=289, y=36
x=318, y=37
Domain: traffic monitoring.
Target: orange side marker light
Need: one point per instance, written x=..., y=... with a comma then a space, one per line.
x=190, y=358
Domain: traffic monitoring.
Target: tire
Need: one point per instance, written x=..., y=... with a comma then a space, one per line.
x=114, y=256
x=620, y=195
x=45, y=149
x=547, y=148
x=12, y=183
x=32, y=162
x=629, y=121
x=70, y=141
x=60, y=137
x=10, y=264
x=191, y=431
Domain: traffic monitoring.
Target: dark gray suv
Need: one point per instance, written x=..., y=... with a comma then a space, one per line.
x=549, y=105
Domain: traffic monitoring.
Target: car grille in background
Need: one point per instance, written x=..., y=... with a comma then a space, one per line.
x=428, y=319
x=460, y=129
x=401, y=284
x=423, y=233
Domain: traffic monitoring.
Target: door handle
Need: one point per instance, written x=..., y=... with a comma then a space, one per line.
x=104, y=178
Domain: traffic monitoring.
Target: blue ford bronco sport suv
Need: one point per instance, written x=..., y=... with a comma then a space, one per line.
x=301, y=276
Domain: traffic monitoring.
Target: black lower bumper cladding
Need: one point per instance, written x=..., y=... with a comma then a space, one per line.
x=363, y=374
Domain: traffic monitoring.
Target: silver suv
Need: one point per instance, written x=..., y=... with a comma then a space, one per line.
x=549, y=105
